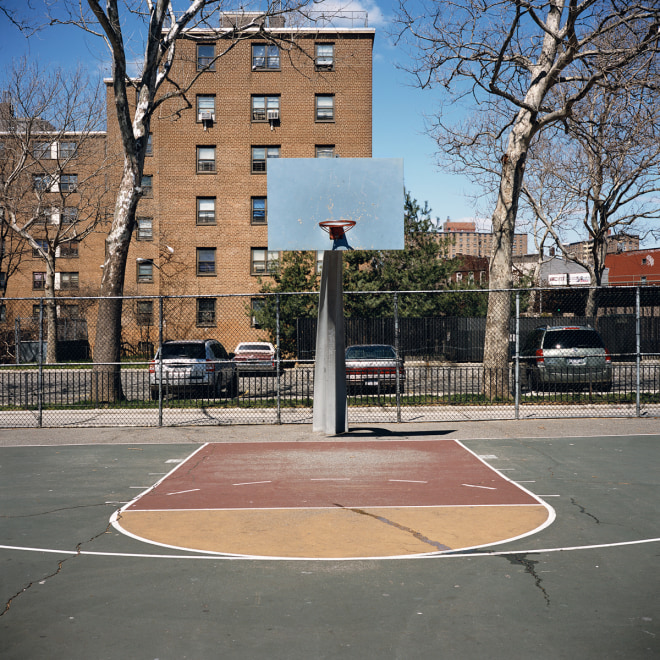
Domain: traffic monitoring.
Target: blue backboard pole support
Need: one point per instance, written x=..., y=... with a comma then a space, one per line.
x=330, y=406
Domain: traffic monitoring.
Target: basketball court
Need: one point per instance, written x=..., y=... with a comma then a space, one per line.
x=501, y=540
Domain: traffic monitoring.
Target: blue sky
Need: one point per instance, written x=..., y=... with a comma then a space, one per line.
x=398, y=116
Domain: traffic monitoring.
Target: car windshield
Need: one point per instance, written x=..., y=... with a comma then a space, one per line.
x=370, y=353
x=254, y=347
x=572, y=339
x=189, y=351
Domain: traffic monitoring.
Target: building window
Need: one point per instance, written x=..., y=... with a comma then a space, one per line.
x=42, y=182
x=42, y=151
x=205, y=159
x=149, y=149
x=68, y=311
x=69, y=215
x=206, y=311
x=205, y=57
x=39, y=281
x=259, y=157
x=205, y=261
x=325, y=150
x=145, y=270
x=69, y=250
x=325, y=107
x=265, y=108
x=206, y=108
x=147, y=185
x=325, y=57
x=67, y=150
x=265, y=56
x=264, y=261
x=319, y=262
x=145, y=231
x=257, y=305
x=68, y=280
x=43, y=244
x=3, y=280
x=68, y=182
x=145, y=312
x=206, y=210
x=3, y=313
x=258, y=210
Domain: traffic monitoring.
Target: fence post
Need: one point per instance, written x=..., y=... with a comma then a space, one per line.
x=160, y=362
x=277, y=355
x=516, y=375
x=40, y=375
x=637, y=352
x=17, y=338
x=396, y=350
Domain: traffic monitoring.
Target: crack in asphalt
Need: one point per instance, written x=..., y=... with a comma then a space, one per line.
x=403, y=528
x=529, y=566
x=45, y=513
x=583, y=510
x=60, y=565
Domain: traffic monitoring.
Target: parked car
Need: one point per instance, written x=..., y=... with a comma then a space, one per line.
x=192, y=366
x=373, y=366
x=255, y=357
x=566, y=356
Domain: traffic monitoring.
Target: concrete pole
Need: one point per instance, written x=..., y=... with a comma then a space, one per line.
x=330, y=407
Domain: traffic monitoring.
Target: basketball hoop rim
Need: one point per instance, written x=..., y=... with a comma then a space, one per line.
x=336, y=228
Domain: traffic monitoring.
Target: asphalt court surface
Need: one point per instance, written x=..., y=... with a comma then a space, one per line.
x=585, y=584
x=333, y=500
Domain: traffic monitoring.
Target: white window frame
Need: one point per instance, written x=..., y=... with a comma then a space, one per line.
x=205, y=211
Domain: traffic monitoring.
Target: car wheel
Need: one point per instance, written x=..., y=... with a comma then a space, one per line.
x=605, y=387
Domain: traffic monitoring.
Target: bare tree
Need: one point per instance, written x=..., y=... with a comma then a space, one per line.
x=606, y=164
x=526, y=64
x=53, y=170
x=159, y=28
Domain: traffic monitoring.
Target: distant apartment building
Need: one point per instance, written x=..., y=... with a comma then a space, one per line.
x=465, y=239
x=621, y=242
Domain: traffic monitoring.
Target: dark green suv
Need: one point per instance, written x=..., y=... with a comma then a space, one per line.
x=565, y=356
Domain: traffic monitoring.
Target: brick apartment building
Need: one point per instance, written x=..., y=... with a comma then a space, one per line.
x=202, y=222
x=466, y=240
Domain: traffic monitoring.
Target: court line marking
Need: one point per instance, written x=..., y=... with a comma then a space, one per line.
x=330, y=507
x=251, y=483
x=451, y=554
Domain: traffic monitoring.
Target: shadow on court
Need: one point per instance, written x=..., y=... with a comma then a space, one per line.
x=72, y=586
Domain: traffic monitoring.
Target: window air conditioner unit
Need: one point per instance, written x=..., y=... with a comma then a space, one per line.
x=273, y=115
x=207, y=115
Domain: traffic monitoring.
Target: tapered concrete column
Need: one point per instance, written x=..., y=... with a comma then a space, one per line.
x=330, y=408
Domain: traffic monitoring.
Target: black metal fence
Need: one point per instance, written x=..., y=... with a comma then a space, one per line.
x=443, y=376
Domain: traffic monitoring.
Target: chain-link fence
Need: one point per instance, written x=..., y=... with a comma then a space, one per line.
x=466, y=355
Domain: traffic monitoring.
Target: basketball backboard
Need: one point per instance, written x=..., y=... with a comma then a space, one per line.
x=305, y=191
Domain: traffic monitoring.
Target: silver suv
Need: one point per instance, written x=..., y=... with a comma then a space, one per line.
x=193, y=366
x=565, y=356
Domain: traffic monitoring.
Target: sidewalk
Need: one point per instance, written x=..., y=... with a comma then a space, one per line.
x=537, y=428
